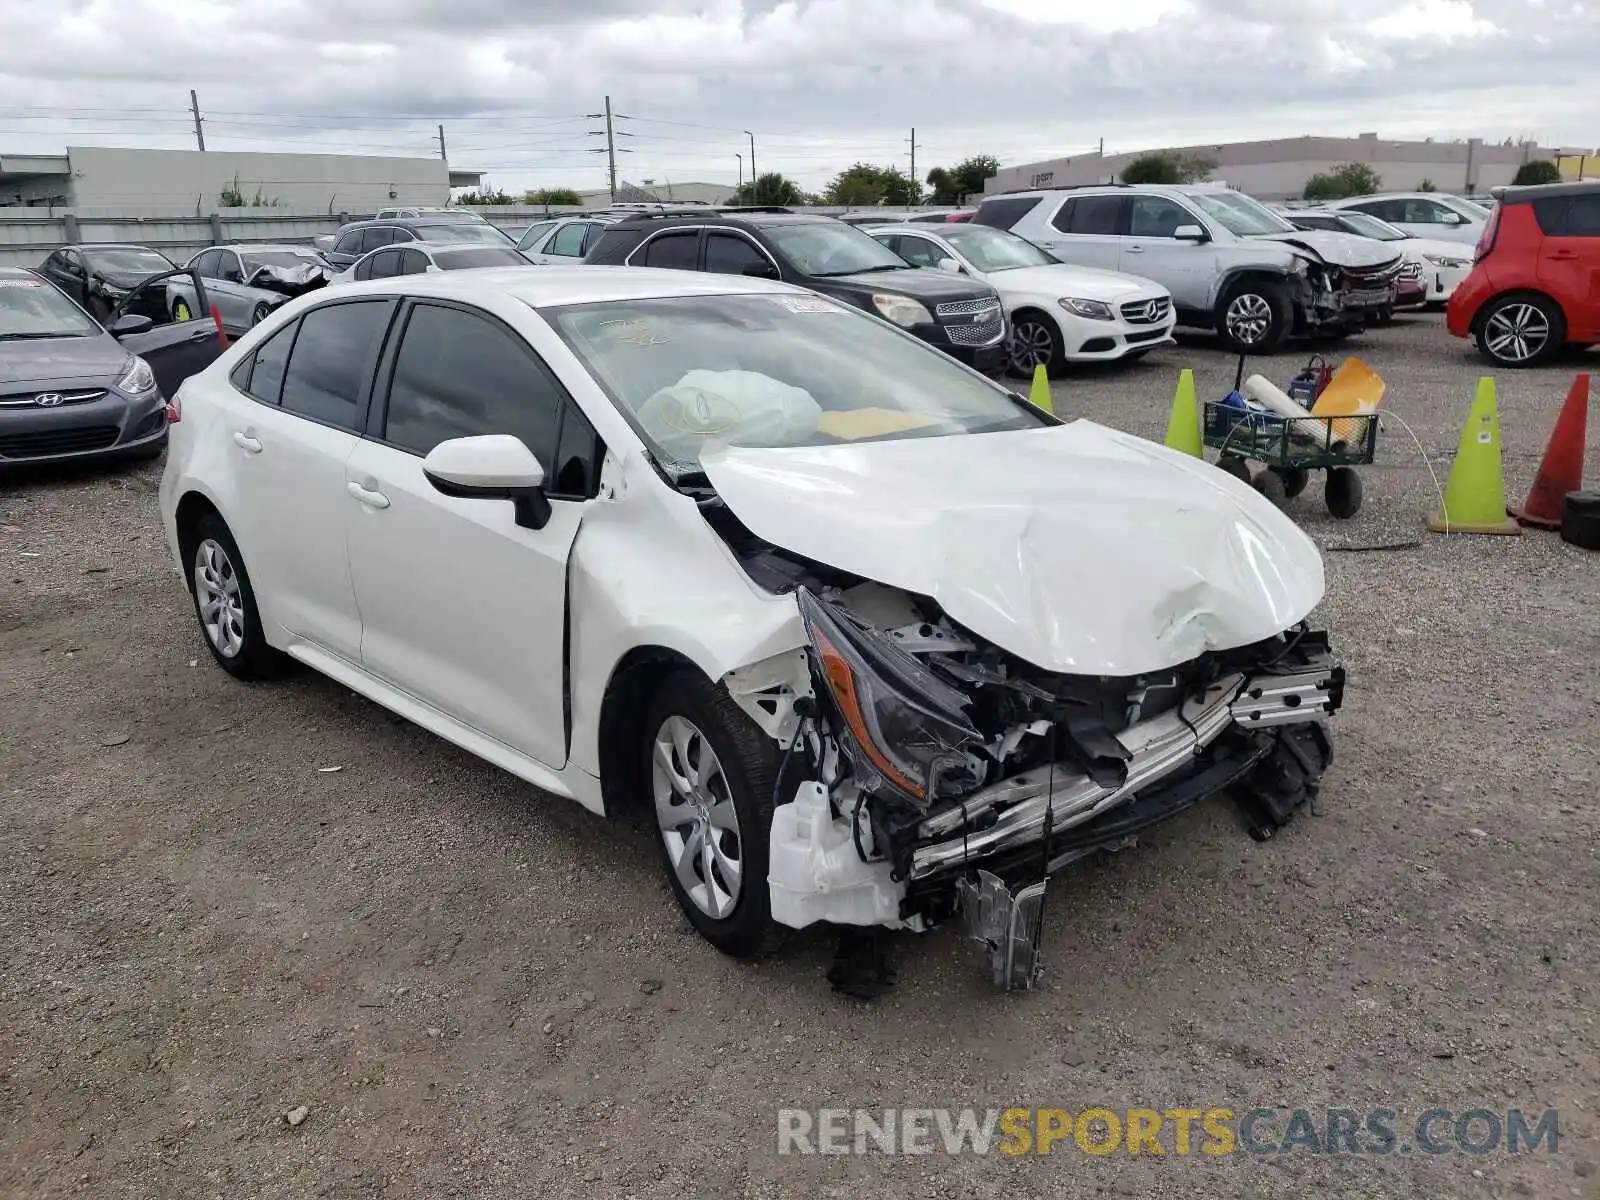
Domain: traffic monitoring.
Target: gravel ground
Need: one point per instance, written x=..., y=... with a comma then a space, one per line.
x=466, y=991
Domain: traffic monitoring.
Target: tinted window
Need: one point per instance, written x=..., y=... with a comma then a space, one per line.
x=460, y=375
x=262, y=373
x=228, y=268
x=206, y=263
x=1156, y=216
x=1583, y=217
x=413, y=262
x=671, y=250
x=568, y=240
x=533, y=234
x=332, y=356
x=371, y=239
x=1005, y=212
x=1093, y=215
x=478, y=256
x=383, y=265
x=1384, y=210
x=730, y=254
x=350, y=243
x=920, y=252
x=578, y=457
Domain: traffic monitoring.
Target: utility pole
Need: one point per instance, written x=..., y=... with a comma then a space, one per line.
x=913, y=144
x=442, y=153
x=754, y=199
x=611, y=135
x=194, y=107
x=740, y=157
x=1102, y=147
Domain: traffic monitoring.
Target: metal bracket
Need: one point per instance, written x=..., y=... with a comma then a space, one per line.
x=1007, y=925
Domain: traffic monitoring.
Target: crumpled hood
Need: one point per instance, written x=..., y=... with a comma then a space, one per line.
x=1077, y=548
x=1341, y=249
x=1087, y=283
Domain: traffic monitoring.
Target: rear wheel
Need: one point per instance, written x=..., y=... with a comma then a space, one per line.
x=1520, y=330
x=1295, y=480
x=711, y=775
x=1343, y=492
x=1254, y=317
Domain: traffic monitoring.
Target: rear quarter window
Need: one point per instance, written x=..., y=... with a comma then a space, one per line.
x=1006, y=211
x=1568, y=216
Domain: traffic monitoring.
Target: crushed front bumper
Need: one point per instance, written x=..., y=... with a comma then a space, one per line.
x=1262, y=734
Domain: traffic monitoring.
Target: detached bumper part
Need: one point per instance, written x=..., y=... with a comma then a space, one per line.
x=1008, y=924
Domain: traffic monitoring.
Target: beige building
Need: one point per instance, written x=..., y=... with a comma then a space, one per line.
x=650, y=191
x=1278, y=169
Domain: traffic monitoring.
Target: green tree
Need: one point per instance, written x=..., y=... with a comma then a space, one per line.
x=1348, y=179
x=1426, y=186
x=952, y=185
x=1167, y=166
x=487, y=196
x=557, y=197
x=770, y=188
x=1541, y=170
x=865, y=184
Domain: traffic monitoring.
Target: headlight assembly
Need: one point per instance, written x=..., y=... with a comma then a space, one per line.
x=1095, y=310
x=137, y=378
x=905, y=728
x=902, y=310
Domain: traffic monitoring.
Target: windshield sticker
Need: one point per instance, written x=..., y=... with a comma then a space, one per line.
x=633, y=330
x=21, y=283
x=806, y=304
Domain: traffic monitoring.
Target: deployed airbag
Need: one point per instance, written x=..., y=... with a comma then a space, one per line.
x=728, y=408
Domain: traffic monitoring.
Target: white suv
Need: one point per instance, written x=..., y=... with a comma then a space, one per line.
x=1423, y=214
x=1231, y=263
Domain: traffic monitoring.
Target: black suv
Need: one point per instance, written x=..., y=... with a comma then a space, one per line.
x=358, y=237
x=959, y=316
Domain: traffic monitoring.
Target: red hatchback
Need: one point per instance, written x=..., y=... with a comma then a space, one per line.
x=1535, y=283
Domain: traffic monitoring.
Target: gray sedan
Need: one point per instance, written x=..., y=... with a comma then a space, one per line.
x=245, y=283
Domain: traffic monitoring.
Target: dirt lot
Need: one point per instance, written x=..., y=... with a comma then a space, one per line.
x=476, y=992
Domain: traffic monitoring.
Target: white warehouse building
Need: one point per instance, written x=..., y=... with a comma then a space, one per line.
x=109, y=181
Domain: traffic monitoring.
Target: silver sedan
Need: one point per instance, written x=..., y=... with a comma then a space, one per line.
x=245, y=283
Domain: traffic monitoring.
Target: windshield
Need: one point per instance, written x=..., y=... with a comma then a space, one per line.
x=478, y=256
x=481, y=232
x=128, y=260
x=995, y=249
x=832, y=248
x=254, y=260
x=1238, y=214
x=1467, y=208
x=31, y=308
x=774, y=370
x=1369, y=226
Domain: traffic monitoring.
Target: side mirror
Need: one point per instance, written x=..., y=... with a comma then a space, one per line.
x=1190, y=233
x=951, y=265
x=761, y=270
x=492, y=466
x=1454, y=218
x=129, y=323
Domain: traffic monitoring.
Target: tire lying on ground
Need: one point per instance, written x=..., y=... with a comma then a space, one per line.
x=1580, y=520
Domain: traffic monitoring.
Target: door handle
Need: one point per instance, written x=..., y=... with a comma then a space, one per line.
x=1563, y=255
x=1135, y=249
x=246, y=443
x=368, y=496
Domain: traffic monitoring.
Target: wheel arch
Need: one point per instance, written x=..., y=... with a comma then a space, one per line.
x=633, y=681
x=191, y=507
x=1475, y=326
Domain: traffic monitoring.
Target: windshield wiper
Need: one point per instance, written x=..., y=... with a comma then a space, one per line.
x=28, y=337
x=858, y=271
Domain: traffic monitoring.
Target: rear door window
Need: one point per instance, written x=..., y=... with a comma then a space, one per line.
x=261, y=375
x=569, y=240
x=350, y=243
x=673, y=251
x=385, y=264
x=1096, y=215
x=332, y=360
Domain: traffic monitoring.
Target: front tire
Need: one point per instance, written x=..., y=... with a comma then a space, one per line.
x=1254, y=317
x=1035, y=340
x=260, y=313
x=1523, y=329
x=712, y=775
x=225, y=602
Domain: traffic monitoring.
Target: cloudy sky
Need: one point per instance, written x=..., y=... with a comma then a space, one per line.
x=820, y=83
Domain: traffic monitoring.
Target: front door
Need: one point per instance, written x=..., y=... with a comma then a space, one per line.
x=1186, y=269
x=461, y=607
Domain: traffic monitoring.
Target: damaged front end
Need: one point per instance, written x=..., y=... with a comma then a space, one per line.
x=936, y=776
x=290, y=281
x=1330, y=297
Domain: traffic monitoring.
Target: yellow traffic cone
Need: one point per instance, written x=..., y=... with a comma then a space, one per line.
x=1183, y=426
x=1039, y=393
x=1475, y=497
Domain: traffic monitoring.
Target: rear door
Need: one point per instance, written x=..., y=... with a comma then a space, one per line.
x=672, y=250
x=566, y=245
x=1569, y=260
x=1087, y=231
x=462, y=607
x=301, y=399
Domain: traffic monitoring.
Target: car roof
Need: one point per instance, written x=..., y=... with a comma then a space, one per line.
x=548, y=287
x=922, y=228
x=247, y=247
x=111, y=246
x=714, y=217
x=1549, y=191
x=19, y=273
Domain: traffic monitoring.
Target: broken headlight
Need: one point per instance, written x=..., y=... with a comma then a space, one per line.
x=905, y=728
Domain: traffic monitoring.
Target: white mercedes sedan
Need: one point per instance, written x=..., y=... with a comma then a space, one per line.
x=872, y=640
x=1058, y=313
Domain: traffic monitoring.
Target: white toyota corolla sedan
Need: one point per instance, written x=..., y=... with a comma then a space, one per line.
x=1058, y=313
x=875, y=641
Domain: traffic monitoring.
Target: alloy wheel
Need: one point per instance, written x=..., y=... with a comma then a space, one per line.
x=696, y=816
x=1516, y=332
x=1249, y=318
x=1032, y=345
x=216, y=590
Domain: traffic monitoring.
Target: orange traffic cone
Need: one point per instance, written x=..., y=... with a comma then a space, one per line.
x=1562, y=469
x=222, y=334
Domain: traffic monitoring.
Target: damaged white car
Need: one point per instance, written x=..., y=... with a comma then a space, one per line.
x=871, y=640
